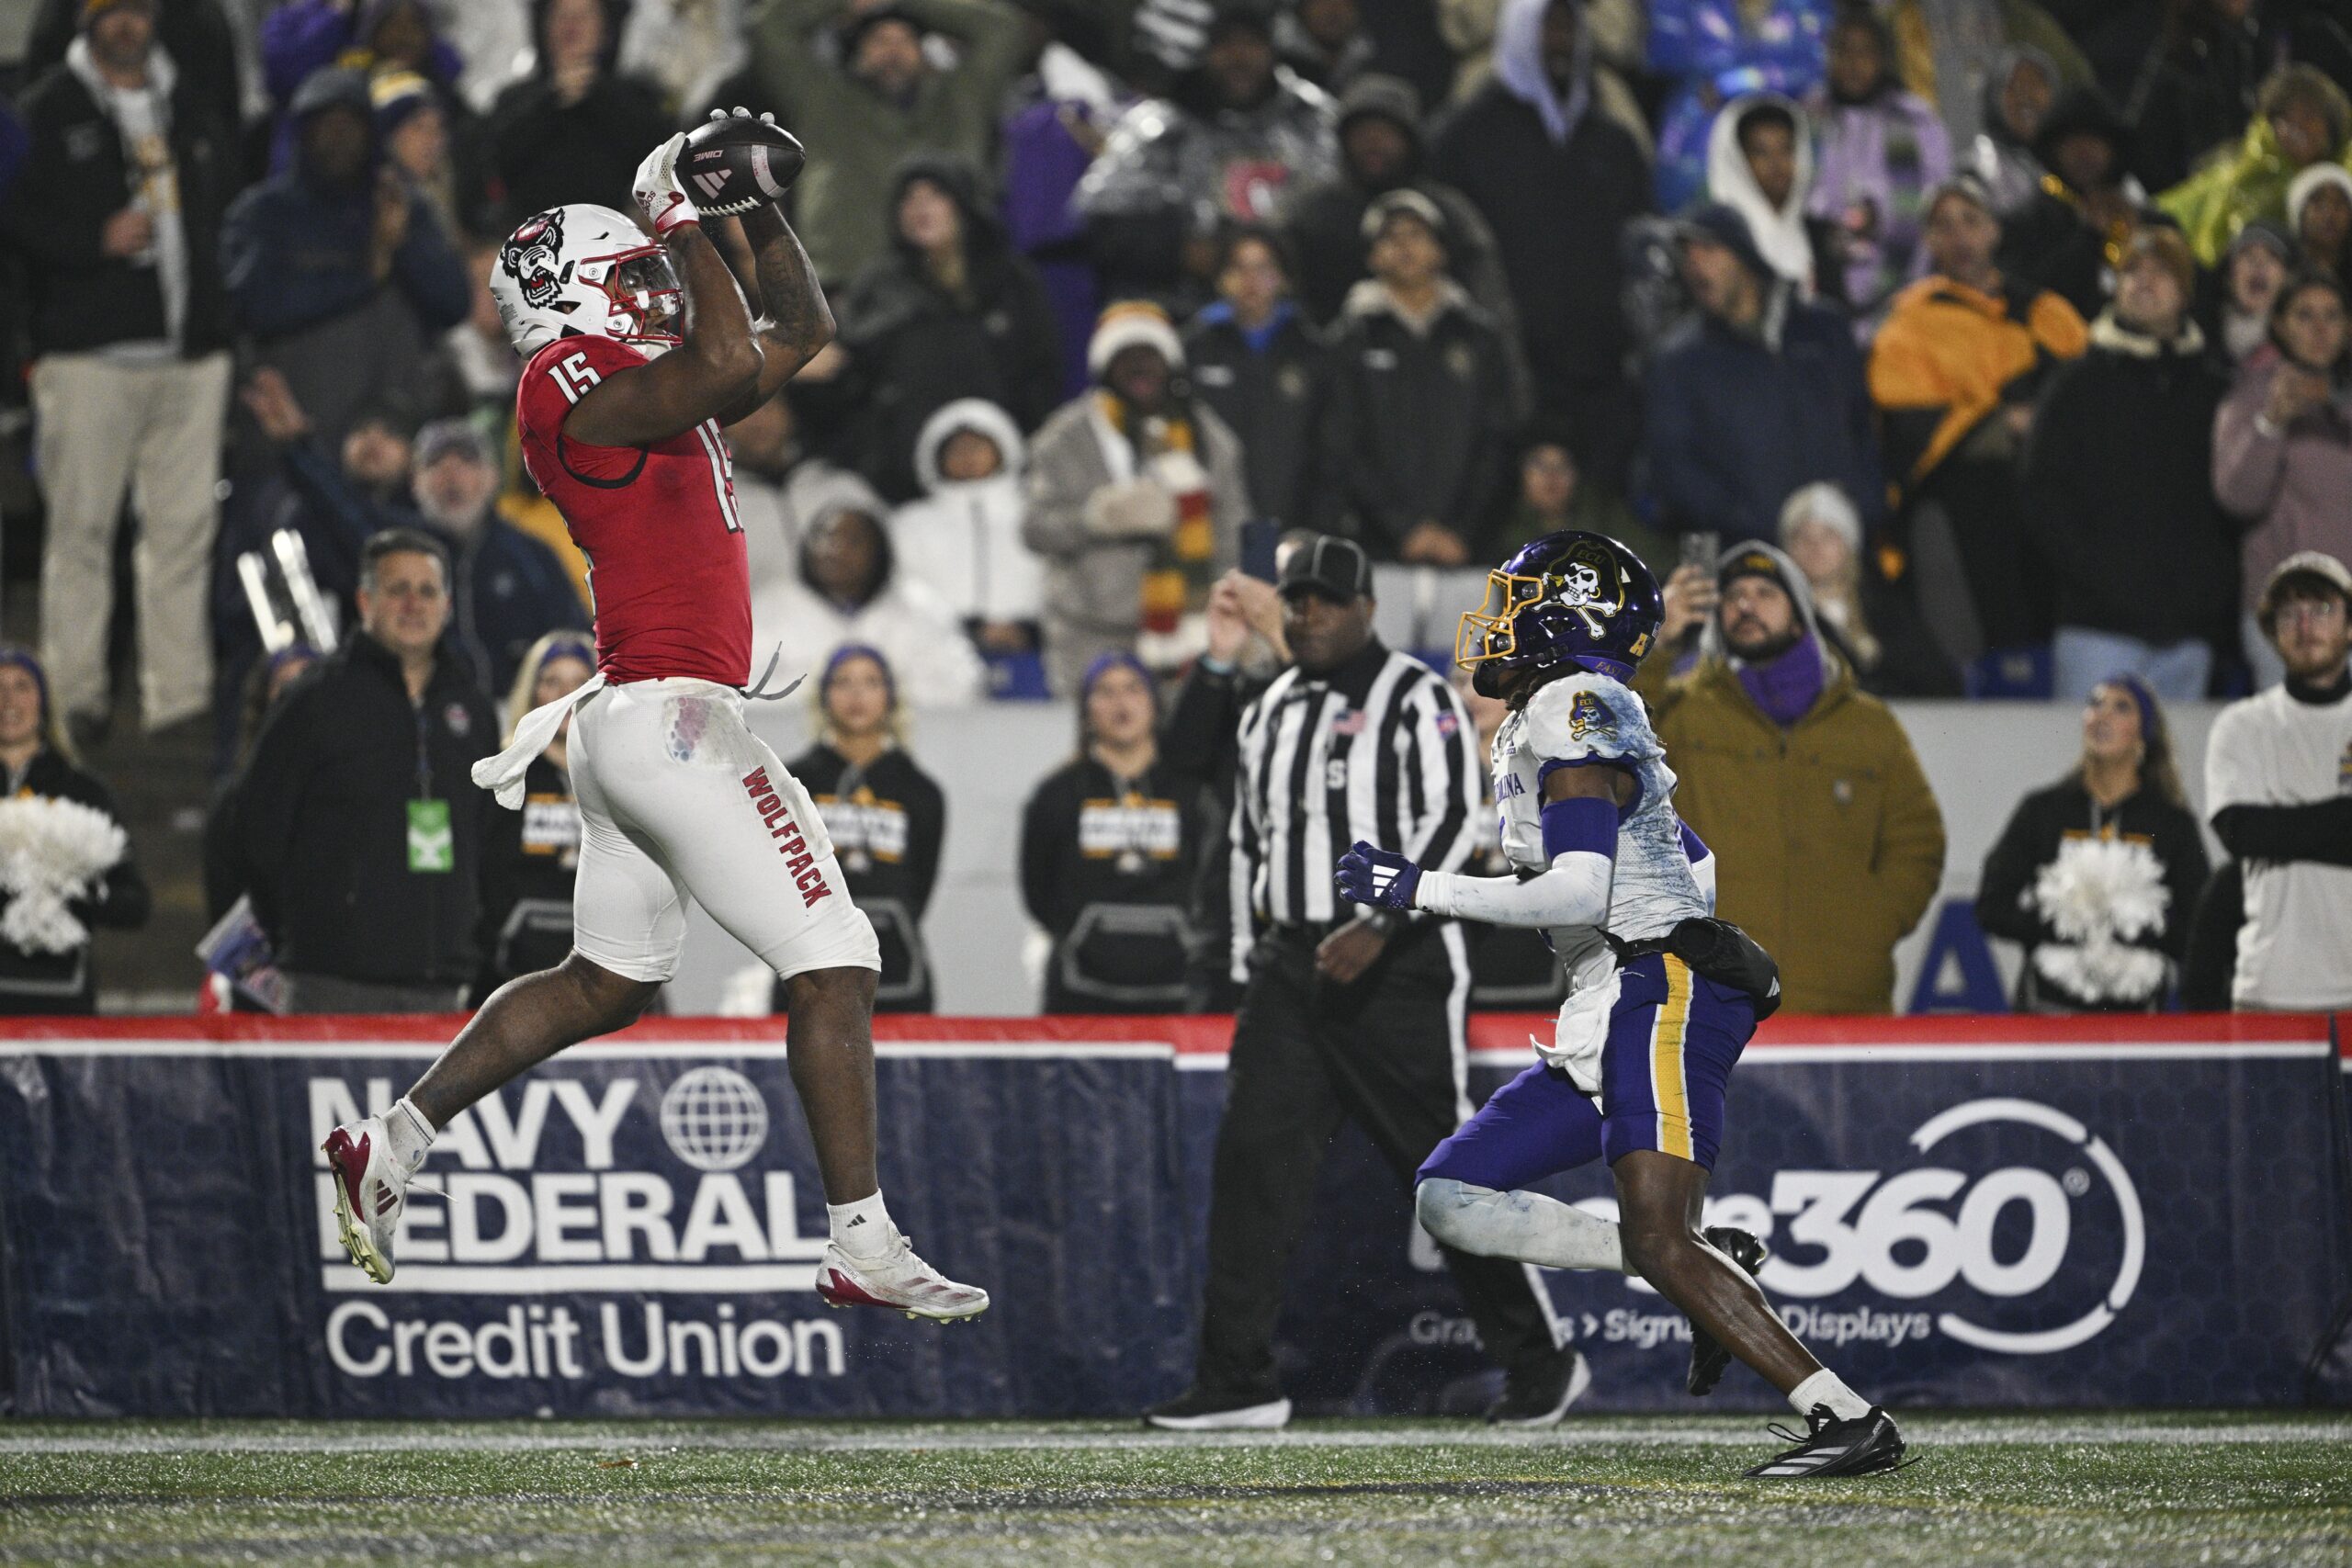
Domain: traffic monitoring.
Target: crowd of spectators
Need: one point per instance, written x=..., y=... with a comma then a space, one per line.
x=2021, y=327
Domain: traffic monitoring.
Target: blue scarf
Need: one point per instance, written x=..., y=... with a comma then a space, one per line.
x=1258, y=338
x=1787, y=686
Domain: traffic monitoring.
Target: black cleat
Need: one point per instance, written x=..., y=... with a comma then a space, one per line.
x=1707, y=1355
x=1541, y=1397
x=1861, y=1446
x=1209, y=1410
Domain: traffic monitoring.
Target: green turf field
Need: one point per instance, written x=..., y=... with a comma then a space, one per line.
x=2051, y=1491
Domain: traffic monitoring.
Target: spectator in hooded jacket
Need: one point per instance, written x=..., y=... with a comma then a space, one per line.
x=2282, y=448
x=1257, y=360
x=2319, y=214
x=1955, y=370
x=37, y=761
x=948, y=311
x=850, y=589
x=1108, y=846
x=2019, y=91
x=2301, y=119
x=343, y=275
x=1420, y=418
x=2118, y=490
x=530, y=858
x=1949, y=50
x=2235, y=299
x=887, y=817
x=1759, y=164
x=1760, y=393
x=1882, y=151
x=1235, y=135
x=575, y=128
x=1556, y=184
x=115, y=223
x=1620, y=47
x=859, y=81
x=1871, y=622
x=1714, y=50
x=1381, y=150
x=962, y=540
x=2124, y=789
x=2070, y=238
x=1807, y=791
x=1135, y=501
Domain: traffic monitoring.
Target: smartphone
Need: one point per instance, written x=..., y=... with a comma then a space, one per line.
x=1259, y=537
x=1702, y=549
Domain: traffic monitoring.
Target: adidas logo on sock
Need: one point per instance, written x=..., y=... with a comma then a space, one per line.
x=854, y=1223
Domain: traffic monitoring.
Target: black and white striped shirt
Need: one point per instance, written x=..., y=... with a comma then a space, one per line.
x=1381, y=750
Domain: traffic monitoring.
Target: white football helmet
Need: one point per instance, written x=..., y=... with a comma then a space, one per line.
x=585, y=269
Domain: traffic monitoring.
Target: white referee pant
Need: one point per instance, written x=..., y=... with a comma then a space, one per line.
x=679, y=800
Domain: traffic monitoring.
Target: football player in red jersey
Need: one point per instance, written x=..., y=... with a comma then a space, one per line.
x=638, y=354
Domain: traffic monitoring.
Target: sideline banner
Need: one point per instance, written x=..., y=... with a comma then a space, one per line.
x=633, y=1229
x=2008, y=1211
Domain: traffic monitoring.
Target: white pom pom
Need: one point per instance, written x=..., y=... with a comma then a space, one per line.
x=52, y=852
x=2096, y=888
x=2098, y=894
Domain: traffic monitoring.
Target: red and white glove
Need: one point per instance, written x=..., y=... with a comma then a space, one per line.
x=658, y=195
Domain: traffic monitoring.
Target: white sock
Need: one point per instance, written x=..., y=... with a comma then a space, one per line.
x=862, y=1229
x=1525, y=1226
x=407, y=1135
x=1825, y=1387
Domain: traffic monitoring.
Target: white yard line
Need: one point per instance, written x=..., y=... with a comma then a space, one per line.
x=1730, y=1432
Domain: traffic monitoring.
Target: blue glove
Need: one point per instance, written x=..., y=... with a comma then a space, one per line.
x=1369, y=875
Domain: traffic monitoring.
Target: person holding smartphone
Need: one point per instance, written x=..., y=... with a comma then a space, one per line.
x=2282, y=446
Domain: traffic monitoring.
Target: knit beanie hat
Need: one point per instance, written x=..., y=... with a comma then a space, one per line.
x=1132, y=323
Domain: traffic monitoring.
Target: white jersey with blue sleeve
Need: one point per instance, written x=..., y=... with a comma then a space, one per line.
x=1576, y=720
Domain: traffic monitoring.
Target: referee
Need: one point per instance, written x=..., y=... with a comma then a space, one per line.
x=1344, y=1014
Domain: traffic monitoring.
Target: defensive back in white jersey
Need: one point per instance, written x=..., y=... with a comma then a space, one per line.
x=1583, y=718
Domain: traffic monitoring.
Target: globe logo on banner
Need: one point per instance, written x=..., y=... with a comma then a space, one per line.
x=714, y=1119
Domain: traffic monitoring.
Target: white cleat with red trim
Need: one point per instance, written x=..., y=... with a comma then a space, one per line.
x=897, y=1280
x=370, y=1189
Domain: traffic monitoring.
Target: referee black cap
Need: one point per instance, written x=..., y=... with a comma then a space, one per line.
x=1337, y=568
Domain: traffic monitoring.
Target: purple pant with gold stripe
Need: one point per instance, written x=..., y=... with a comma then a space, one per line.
x=1672, y=1040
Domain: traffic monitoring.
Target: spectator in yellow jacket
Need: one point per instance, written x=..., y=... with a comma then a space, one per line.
x=1954, y=371
x=2300, y=119
x=1828, y=841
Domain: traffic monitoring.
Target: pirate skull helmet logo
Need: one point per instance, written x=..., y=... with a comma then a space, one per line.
x=532, y=258
x=1581, y=585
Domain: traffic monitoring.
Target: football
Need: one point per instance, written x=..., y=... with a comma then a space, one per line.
x=731, y=165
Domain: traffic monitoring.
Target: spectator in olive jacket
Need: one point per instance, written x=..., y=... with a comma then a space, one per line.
x=1807, y=790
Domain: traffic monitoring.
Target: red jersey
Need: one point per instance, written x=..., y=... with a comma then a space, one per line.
x=667, y=571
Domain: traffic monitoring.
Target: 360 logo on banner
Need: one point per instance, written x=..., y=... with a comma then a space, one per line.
x=1976, y=1239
